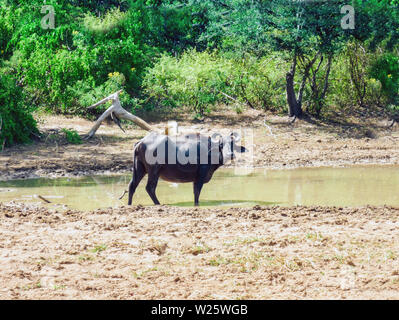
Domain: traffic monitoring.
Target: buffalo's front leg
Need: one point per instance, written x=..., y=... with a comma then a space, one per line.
x=153, y=176
x=197, y=190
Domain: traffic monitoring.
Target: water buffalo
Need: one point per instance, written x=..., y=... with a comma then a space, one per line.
x=182, y=158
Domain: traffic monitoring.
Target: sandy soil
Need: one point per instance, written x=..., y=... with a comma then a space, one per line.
x=280, y=145
x=187, y=253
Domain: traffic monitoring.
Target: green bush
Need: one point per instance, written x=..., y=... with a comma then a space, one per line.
x=261, y=82
x=16, y=122
x=202, y=79
x=196, y=79
x=6, y=29
x=350, y=81
x=61, y=68
x=385, y=69
x=72, y=136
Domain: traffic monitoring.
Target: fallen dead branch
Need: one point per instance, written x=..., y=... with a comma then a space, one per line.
x=116, y=112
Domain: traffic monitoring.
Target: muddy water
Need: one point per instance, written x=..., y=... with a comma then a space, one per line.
x=354, y=186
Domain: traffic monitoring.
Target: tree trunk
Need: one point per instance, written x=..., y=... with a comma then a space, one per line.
x=305, y=77
x=323, y=95
x=295, y=107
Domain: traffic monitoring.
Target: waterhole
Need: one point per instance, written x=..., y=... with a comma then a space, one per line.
x=352, y=186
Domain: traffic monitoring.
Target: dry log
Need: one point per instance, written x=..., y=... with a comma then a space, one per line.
x=116, y=112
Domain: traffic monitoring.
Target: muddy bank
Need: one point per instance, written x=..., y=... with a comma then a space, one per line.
x=302, y=144
x=188, y=253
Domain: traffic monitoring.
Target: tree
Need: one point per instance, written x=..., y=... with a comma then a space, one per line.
x=308, y=33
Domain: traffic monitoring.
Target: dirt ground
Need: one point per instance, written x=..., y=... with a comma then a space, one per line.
x=200, y=253
x=187, y=253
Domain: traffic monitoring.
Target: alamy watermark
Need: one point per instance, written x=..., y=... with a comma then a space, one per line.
x=218, y=148
x=48, y=21
x=348, y=21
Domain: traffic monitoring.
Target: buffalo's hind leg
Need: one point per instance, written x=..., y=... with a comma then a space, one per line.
x=197, y=190
x=138, y=174
x=153, y=176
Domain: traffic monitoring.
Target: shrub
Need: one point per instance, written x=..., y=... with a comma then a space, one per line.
x=61, y=68
x=261, y=82
x=72, y=136
x=16, y=122
x=202, y=79
x=195, y=80
x=350, y=82
x=385, y=69
x=112, y=20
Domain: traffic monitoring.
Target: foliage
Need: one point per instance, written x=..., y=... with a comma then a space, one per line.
x=59, y=66
x=350, y=83
x=308, y=33
x=202, y=79
x=275, y=55
x=196, y=80
x=385, y=69
x=16, y=122
x=260, y=82
x=72, y=136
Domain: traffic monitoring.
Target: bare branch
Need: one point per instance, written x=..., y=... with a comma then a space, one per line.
x=110, y=97
x=116, y=110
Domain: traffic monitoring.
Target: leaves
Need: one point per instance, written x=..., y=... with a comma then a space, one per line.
x=17, y=123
